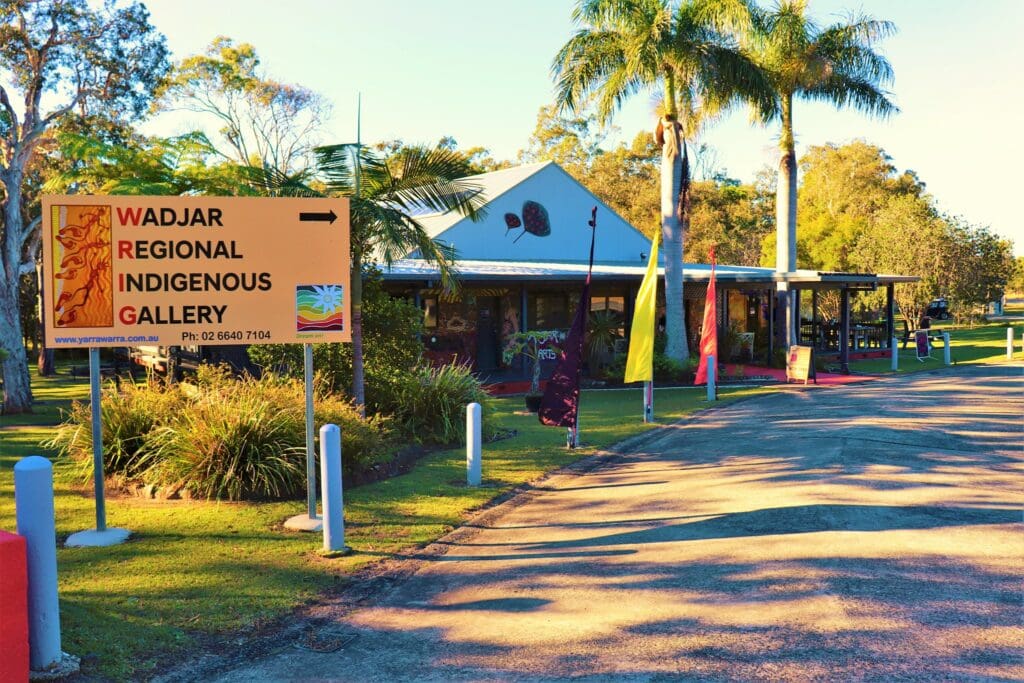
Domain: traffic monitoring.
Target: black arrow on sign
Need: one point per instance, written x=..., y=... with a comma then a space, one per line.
x=330, y=216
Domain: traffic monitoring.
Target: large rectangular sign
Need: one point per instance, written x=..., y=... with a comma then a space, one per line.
x=127, y=271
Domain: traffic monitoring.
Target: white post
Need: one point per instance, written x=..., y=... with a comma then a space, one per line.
x=946, y=355
x=894, y=347
x=473, y=444
x=712, y=371
x=1009, y=343
x=330, y=481
x=101, y=535
x=33, y=499
x=649, y=401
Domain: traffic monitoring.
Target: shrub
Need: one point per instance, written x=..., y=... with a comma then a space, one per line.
x=242, y=445
x=221, y=437
x=430, y=404
x=131, y=413
x=665, y=369
x=391, y=346
x=363, y=441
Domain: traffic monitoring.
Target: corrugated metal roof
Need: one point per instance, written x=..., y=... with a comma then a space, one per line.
x=416, y=269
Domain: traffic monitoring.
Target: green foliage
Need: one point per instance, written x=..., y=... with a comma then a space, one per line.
x=664, y=368
x=260, y=121
x=1015, y=283
x=603, y=329
x=430, y=405
x=233, y=444
x=363, y=440
x=731, y=217
x=131, y=414
x=220, y=438
x=391, y=332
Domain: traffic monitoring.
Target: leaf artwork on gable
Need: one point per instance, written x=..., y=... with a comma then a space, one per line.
x=535, y=221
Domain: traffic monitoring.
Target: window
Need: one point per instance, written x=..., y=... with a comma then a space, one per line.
x=616, y=304
x=548, y=311
x=430, y=312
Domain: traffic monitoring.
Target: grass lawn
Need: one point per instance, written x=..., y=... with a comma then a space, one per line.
x=194, y=567
x=981, y=344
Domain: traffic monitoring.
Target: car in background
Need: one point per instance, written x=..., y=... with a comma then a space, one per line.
x=938, y=309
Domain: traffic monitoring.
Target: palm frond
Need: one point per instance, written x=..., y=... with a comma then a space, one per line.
x=846, y=91
x=271, y=182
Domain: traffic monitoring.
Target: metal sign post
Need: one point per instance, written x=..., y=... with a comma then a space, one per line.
x=309, y=521
x=101, y=535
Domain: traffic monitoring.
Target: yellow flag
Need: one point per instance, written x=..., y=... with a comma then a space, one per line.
x=640, y=361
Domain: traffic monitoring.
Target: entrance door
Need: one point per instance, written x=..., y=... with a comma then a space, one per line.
x=488, y=321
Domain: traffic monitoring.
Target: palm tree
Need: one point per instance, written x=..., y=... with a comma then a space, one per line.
x=628, y=46
x=836, y=64
x=386, y=195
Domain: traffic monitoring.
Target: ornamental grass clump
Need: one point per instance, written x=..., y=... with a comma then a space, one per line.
x=131, y=414
x=364, y=441
x=430, y=404
x=222, y=437
x=237, y=445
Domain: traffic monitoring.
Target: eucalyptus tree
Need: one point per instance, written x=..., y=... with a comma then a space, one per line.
x=625, y=47
x=836, y=64
x=386, y=195
x=260, y=121
x=58, y=57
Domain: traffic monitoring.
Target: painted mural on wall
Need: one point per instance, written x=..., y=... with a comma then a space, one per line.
x=534, y=221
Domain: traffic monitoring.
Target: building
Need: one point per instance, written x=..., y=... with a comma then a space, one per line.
x=523, y=265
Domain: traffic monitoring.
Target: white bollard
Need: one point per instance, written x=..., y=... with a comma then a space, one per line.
x=712, y=371
x=473, y=444
x=1009, y=343
x=947, y=357
x=895, y=348
x=649, y=401
x=33, y=499
x=331, y=490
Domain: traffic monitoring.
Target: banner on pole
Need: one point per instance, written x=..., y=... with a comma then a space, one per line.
x=709, y=330
x=561, y=402
x=640, y=360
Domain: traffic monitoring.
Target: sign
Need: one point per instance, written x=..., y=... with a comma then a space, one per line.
x=800, y=364
x=924, y=349
x=129, y=271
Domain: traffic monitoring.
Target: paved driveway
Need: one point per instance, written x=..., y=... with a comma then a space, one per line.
x=870, y=532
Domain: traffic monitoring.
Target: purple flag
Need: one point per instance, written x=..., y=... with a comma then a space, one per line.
x=561, y=402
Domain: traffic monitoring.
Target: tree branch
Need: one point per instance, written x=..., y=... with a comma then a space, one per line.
x=30, y=246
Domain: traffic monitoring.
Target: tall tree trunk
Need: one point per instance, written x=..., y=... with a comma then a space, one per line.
x=358, y=377
x=45, y=363
x=17, y=382
x=672, y=235
x=785, y=219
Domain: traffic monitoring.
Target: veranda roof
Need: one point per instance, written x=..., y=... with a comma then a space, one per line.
x=534, y=271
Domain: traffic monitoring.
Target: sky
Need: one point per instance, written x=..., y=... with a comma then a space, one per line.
x=479, y=70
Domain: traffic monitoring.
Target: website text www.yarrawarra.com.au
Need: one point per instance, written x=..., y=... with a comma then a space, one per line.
x=106, y=340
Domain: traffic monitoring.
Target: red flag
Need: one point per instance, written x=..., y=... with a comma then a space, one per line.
x=709, y=330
